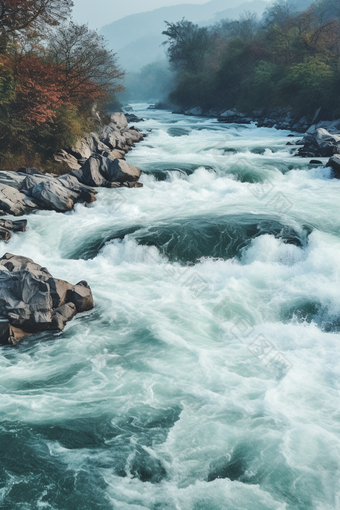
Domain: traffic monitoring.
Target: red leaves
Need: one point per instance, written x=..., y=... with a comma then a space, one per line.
x=43, y=87
x=39, y=89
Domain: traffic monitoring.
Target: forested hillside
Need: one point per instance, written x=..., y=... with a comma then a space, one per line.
x=289, y=59
x=52, y=73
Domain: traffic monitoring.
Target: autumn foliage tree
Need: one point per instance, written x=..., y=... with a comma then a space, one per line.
x=17, y=16
x=52, y=73
x=89, y=69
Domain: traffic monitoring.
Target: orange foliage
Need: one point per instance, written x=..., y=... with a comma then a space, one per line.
x=39, y=89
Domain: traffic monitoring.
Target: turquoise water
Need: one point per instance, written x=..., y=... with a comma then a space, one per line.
x=207, y=376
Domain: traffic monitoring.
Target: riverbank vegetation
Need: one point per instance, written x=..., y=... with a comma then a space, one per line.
x=53, y=74
x=288, y=60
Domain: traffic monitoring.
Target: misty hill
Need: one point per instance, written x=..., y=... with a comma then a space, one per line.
x=137, y=38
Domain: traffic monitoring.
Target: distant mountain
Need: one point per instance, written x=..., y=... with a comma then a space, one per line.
x=137, y=38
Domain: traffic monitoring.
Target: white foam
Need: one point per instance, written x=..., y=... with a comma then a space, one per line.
x=155, y=344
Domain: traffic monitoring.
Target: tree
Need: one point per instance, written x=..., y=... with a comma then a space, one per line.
x=89, y=69
x=187, y=45
x=246, y=27
x=22, y=15
x=39, y=92
x=279, y=14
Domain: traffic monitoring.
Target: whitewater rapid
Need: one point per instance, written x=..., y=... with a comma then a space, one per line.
x=207, y=377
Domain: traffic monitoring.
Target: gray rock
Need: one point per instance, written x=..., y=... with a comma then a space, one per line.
x=132, y=136
x=85, y=193
x=68, y=159
x=320, y=144
x=119, y=170
x=31, y=181
x=12, y=179
x=81, y=150
x=113, y=138
x=29, y=171
x=13, y=202
x=132, y=185
x=31, y=300
x=334, y=163
x=119, y=120
x=91, y=175
x=54, y=195
x=8, y=226
x=194, y=111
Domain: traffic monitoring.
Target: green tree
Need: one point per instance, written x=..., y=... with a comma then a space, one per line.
x=187, y=45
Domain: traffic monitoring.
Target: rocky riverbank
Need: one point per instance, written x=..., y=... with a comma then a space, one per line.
x=31, y=300
x=280, y=119
x=97, y=160
x=320, y=140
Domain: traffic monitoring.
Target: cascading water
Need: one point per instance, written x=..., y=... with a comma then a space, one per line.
x=207, y=377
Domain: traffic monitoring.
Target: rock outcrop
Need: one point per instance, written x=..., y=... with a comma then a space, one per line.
x=102, y=171
x=112, y=141
x=32, y=301
x=97, y=160
x=8, y=226
x=319, y=143
x=334, y=162
x=26, y=192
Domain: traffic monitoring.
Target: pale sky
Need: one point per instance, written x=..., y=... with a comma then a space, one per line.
x=98, y=13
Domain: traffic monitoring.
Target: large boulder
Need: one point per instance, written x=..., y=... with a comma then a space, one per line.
x=13, y=202
x=53, y=195
x=31, y=181
x=320, y=143
x=85, y=193
x=119, y=170
x=82, y=149
x=31, y=300
x=116, y=138
x=334, y=163
x=13, y=179
x=102, y=171
x=90, y=173
x=57, y=194
x=132, y=136
x=119, y=120
x=68, y=159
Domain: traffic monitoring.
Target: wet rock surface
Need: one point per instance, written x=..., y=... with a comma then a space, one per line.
x=319, y=143
x=334, y=163
x=32, y=301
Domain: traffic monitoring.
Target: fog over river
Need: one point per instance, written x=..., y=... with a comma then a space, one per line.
x=207, y=376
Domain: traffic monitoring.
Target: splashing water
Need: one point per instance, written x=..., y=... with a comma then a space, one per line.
x=207, y=377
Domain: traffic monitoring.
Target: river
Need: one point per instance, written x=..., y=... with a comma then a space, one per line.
x=207, y=376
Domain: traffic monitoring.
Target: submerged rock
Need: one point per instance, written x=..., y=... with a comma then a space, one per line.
x=31, y=300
